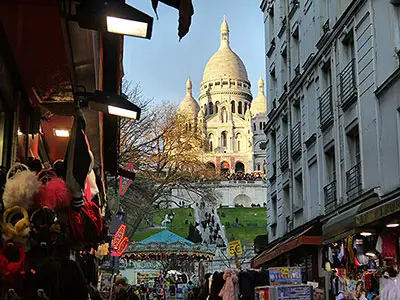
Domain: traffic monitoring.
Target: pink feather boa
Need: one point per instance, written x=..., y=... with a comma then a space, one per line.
x=230, y=290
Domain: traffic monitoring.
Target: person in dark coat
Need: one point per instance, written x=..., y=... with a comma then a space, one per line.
x=123, y=290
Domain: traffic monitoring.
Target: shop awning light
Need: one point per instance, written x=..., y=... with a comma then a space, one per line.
x=365, y=233
x=115, y=17
x=127, y=27
x=61, y=132
x=116, y=111
x=392, y=225
x=110, y=103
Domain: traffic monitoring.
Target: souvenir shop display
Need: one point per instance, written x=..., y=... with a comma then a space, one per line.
x=364, y=266
x=52, y=231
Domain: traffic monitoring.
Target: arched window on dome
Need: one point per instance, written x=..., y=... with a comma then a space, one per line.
x=261, y=124
x=210, y=108
x=240, y=108
x=224, y=115
x=216, y=107
x=233, y=106
x=254, y=127
x=205, y=109
x=224, y=139
x=258, y=167
x=245, y=107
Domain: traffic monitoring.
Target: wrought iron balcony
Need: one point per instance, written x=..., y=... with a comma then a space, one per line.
x=326, y=109
x=296, y=141
x=330, y=197
x=284, y=154
x=353, y=181
x=348, y=85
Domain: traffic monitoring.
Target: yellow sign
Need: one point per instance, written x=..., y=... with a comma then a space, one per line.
x=234, y=248
x=285, y=271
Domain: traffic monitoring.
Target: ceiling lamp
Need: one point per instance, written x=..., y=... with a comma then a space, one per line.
x=110, y=103
x=393, y=225
x=115, y=17
x=365, y=233
x=61, y=132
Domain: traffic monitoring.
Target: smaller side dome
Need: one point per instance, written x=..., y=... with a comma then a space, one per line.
x=259, y=104
x=189, y=105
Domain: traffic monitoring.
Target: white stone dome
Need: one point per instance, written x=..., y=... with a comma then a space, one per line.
x=225, y=63
x=189, y=105
x=259, y=104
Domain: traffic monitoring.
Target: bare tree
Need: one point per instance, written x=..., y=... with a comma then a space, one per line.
x=165, y=148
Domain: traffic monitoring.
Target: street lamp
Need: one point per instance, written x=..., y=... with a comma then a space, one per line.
x=115, y=17
x=110, y=103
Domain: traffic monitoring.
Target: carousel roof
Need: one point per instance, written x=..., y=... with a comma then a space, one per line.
x=167, y=243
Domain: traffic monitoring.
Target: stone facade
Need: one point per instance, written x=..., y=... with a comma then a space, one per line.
x=333, y=129
x=231, y=121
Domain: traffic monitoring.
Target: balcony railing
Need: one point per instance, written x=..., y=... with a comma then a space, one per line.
x=330, y=197
x=296, y=141
x=348, y=85
x=284, y=154
x=353, y=181
x=326, y=109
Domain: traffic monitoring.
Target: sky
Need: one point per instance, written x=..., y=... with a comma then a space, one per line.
x=162, y=65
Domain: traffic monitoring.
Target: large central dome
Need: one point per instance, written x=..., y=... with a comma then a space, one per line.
x=225, y=63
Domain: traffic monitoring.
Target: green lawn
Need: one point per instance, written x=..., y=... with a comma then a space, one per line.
x=253, y=220
x=177, y=226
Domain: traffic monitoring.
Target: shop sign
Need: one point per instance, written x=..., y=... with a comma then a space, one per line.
x=285, y=275
x=124, y=183
x=378, y=213
x=234, y=248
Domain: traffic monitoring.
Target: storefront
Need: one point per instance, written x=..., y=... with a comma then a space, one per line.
x=361, y=249
x=49, y=234
x=299, y=249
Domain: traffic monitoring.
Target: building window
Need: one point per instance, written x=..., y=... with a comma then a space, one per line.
x=240, y=108
x=238, y=140
x=210, y=108
x=245, y=107
x=258, y=167
x=216, y=107
x=261, y=125
x=205, y=109
x=353, y=175
x=233, y=107
x=223, y=139
x=254, y=127
x=224, y=115
x=210, y=142
x=298, y=191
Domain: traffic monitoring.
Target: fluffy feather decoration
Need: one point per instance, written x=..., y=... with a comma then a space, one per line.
x=54, y=194
x=20, y=190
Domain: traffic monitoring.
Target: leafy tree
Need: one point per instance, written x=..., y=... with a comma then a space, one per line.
x=165, y=152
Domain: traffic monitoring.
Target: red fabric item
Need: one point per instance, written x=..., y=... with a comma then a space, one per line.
x=7, y=268
x=76, y=223
x=92, y=211
x=54, y=194
x=388, y=246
